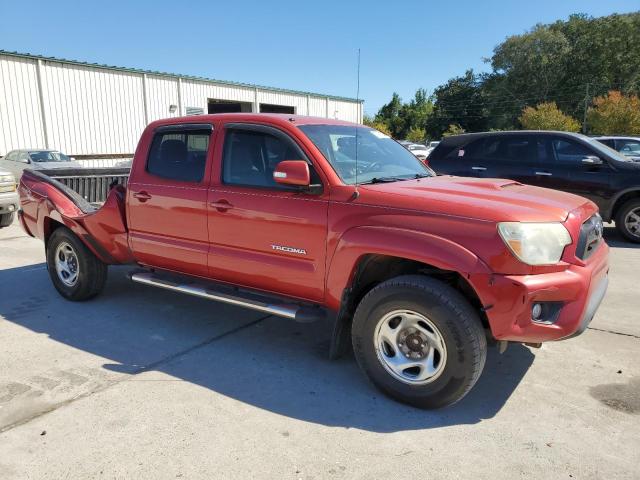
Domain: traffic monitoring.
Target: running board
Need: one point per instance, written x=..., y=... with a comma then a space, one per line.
x=299, y=313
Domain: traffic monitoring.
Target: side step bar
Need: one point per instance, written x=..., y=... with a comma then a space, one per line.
x=295, y=312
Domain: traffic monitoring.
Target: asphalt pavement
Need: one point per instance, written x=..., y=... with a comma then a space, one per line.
x=148, y=384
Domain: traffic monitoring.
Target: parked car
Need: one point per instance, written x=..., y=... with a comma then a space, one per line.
x=37, y=159
x=281, y=214
x=433, y=144
x=628, y=146
x=560, y=160
x=8, y=198
x=420, y=151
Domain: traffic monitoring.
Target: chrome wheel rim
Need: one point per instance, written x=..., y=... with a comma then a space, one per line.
x=67, y=266
x=410, y=347
x=632, y=222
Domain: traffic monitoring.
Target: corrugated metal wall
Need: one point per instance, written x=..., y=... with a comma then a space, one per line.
x=94, y=110
x=20, y=120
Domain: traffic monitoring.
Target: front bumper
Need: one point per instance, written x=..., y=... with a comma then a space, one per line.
x=9, y=202
x=578, y=290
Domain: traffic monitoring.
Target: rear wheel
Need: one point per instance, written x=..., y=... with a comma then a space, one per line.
x=628, y=220
x=75, y=271
x=419, y=341
x=6, y=219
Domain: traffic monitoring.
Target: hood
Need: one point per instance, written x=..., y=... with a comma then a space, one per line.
x=54, y=165
x=481, y=198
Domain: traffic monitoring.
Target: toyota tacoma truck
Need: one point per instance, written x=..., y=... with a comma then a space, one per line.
x=317, y=219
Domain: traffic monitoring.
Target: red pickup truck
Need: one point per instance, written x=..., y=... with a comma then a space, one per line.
x=316, y=219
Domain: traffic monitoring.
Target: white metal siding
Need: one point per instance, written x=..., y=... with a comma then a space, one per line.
x=98, y=110
x=20, y=120
x=161, y=93
x=298, y=102
x=91, y=112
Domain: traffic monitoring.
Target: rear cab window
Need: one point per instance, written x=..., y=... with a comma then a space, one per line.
x=179, y=154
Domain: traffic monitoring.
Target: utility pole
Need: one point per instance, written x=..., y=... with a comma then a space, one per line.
x=586, y=105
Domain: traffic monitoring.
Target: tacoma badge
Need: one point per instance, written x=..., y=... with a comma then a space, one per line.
x=282, y=248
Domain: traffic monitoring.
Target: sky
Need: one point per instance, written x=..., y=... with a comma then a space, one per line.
x=300, y=45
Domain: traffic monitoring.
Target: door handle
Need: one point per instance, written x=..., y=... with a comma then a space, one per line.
x=479, y=169
x=544, y=174
x=142, y=196
x=221, y=205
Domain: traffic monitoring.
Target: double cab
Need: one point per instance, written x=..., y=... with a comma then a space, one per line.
x=314, y=219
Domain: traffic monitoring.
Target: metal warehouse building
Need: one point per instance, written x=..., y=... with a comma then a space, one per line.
x=88, y=109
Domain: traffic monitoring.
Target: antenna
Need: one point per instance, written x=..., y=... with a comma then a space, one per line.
x=356, y=193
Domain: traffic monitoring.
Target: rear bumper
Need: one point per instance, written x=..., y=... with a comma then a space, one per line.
x=576, y=291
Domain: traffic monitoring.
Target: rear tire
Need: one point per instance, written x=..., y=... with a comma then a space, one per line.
x=6, y=219
x=75, y=271
x=435, y=329
x=628, y=220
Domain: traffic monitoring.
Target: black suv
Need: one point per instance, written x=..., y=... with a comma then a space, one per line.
x=564, y=161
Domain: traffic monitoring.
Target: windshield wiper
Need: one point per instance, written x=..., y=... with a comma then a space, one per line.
x=383, y=180
x=421, y=175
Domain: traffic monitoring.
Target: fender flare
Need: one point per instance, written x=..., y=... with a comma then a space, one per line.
x=395, y=242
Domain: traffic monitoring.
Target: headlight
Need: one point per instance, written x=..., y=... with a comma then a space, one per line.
x=535, y=243
x=7, y=179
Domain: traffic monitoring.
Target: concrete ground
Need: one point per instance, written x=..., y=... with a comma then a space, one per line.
x=142, y=383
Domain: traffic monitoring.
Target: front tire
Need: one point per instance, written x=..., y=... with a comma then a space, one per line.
x=75, y=271
x=419, y=341
x=6, y=219
x=628, y=220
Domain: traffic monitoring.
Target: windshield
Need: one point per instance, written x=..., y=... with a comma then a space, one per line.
x=379, y=157
x=48, y=156
x=606, y=150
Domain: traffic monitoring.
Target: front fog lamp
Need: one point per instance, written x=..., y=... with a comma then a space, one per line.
x=535, y=243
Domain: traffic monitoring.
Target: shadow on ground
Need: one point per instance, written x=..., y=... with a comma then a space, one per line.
x=615, y=239
x=267, y=362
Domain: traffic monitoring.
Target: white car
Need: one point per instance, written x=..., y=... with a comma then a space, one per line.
x=418, y=150
x=9, y=202
x=36, y=159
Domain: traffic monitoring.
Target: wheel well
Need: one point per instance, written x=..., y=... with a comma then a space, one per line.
x=50, y=226
x=622, y=200
x=375, y=269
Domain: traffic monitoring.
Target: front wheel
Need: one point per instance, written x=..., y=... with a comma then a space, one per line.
x=419, y=341
x=75, y=271
x=628, y=220
x=6, y=219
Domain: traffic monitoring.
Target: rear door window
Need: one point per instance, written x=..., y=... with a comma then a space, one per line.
x=179, y=155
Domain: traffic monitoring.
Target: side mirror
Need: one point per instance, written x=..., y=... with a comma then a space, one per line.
x=592, y=160
x=292, y=172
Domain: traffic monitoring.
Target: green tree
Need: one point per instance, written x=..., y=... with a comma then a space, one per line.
x=565, y=62
x=547, y=116
x=373, y=123
x=453, y=129
x=615, y=113
x=416, y=134
x=401, y=118
x=459, y=101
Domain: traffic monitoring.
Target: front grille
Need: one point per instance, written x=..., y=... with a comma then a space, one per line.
x=590, y=237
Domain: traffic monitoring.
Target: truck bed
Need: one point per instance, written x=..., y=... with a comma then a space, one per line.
x=47, y=203
x=90, y=183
